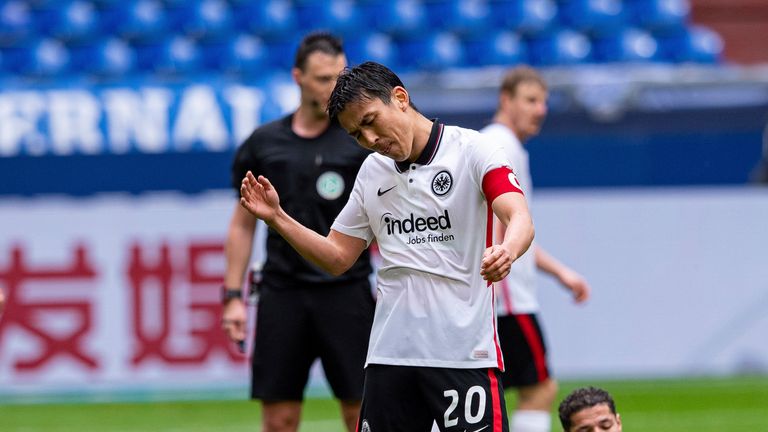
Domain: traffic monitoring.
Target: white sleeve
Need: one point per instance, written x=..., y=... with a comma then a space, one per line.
x=353, y=219
x=485, y=154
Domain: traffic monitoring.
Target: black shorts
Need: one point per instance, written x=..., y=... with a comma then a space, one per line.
x=298, y=325
x=409, y=398
x=525, y=354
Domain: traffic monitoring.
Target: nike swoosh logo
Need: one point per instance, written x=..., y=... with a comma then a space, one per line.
x=478, y=430
x=382, y=192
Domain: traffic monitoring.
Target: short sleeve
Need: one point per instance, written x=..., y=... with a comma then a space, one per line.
x=353, y=219
x=492, y=168
x=243, y=161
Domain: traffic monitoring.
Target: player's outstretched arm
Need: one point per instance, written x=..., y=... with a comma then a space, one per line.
x=512, y=211
x=335, y=253
x=568, y=277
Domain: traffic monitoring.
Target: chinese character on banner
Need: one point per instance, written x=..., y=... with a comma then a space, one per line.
x=43, y=297
x=176, y=307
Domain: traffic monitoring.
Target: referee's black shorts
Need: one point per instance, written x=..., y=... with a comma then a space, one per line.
x=524, y=350
x=297, y=325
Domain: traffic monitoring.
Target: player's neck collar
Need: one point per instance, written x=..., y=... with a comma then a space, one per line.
x=430, y=150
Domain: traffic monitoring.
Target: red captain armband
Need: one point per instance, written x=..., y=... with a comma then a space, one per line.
x=500, y=181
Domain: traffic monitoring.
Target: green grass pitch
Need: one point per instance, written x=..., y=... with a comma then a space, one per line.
x=670, y=405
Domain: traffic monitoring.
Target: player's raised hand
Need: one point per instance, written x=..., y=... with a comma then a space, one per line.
x=495, y=264
x=259, y=197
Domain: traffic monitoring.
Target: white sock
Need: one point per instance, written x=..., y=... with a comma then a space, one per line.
x=530, y=421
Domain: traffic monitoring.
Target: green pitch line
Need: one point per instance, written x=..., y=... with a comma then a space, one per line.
x=674, y=405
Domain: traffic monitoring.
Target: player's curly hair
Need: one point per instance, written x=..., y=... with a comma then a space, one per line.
x=580, y=399
x=366, y=81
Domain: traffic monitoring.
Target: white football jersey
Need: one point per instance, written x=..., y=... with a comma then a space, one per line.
x=516, y=294
x=432, y=224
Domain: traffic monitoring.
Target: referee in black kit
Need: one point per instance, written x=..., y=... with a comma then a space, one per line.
x=303, y=313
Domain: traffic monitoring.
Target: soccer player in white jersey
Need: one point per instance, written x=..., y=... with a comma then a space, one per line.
x=522, y=110
x=427, y=196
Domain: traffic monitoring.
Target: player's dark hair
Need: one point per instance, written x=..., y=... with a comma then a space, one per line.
x=580, y=399
x=317, y=41
x=366, y=81
x=518, y=75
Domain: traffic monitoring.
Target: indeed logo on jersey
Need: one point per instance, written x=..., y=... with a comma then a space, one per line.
x=417, y=225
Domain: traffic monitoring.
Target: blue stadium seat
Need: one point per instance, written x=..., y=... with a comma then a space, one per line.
x=397, y=17
x=524, y=16
x=433, y=52
x=202, y=18
x=38, y=57
x=105, y=57
x=242, y=54
x=15, y=21
x=378, y=47
x=268, y=19
x=696, y=44
x=659, y=15
x=172, y=56
x=340, y=16
x=69, y=20
x=495, y=48
x=596, y=17
x=459, y=16
x=562, y=47
x=282, y=52
x=628, y=45
x=135, y=20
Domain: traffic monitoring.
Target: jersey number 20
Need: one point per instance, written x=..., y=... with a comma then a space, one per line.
x=475, y=398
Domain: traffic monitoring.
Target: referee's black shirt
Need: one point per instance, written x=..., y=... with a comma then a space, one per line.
x=294, y=165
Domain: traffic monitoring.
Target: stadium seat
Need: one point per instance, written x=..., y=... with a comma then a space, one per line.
x=432, y=52
x=267, y=19
x=498, y=48
x=696, y=44
x=378, y=47
x=340, y=16
x=202, y=18
x=135, y=20
x=105, y=57
x=69, y=20
x=397, y=17
x=282, y=52
x=242, y=54
x=563, y=47
x=15, y=21
x=524, y=16
x=595, y=17
x=172, y=56
x=38, y=57
x=459, y=16
x=659, y=15
x=628, y=45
